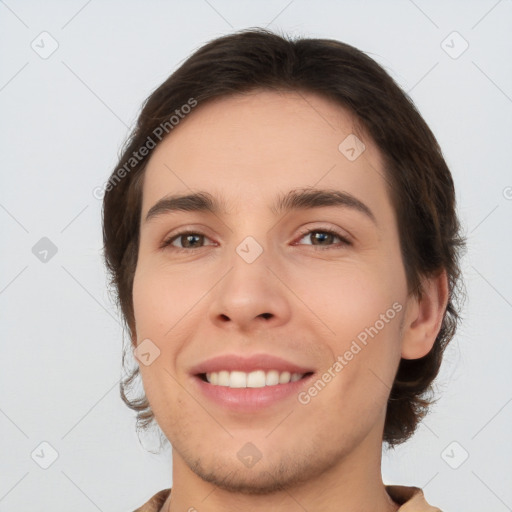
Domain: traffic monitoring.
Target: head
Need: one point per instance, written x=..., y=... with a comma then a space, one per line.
x=245, y=120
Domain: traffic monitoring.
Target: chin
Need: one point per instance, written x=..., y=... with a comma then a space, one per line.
x=268, y=475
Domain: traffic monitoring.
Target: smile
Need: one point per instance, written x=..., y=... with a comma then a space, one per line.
x=248, y=383
x=254, y=379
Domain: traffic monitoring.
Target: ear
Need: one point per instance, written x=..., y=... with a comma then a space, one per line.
x=424, y=316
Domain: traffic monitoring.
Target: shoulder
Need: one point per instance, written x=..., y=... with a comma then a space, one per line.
x=155, y=503
x=411, y=499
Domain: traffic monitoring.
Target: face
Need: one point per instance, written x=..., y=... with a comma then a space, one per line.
x=274, y=333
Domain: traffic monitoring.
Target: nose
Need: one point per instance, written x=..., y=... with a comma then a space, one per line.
x=250, y=296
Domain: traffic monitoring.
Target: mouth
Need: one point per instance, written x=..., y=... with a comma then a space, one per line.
x=255, y=379
x=245, y=383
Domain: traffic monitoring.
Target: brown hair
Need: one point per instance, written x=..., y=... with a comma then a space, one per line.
x=420, y=184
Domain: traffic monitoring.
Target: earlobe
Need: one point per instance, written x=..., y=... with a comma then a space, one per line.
x=424, y=317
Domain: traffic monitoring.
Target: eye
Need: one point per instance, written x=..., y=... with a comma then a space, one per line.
x=187, y=239
x=323, y=238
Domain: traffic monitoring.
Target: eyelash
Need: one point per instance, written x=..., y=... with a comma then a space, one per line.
x=166, y=244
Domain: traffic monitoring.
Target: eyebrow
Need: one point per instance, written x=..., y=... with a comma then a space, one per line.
x=296, y=199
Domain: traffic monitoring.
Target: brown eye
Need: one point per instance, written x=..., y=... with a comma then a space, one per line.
x=187, y=240
x=324, y=238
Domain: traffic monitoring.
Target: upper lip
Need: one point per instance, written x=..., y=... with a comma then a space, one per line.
x=235, y=362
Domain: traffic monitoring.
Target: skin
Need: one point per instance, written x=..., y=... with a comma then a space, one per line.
x=207, y=301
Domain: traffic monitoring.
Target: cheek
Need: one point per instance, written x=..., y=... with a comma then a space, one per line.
x=349, y=298
x=162, y=304
x=364, y=353
x=162, y=299
x=361, y=305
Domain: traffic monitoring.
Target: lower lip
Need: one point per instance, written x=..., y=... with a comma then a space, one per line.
x=250, y=399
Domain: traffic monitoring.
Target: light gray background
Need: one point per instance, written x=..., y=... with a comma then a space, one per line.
x=64, y=119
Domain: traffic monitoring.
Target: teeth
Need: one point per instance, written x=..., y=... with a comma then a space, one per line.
x=272, y=378
x=237, y=380
x=256, y=379
x=285, y=377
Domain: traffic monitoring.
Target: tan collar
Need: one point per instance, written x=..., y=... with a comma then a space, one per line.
x=411, y=499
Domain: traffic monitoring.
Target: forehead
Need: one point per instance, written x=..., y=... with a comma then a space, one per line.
x=251, y=146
